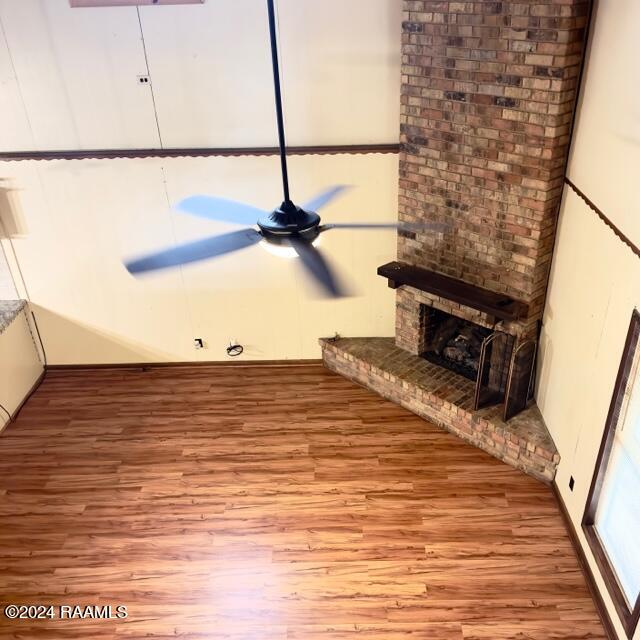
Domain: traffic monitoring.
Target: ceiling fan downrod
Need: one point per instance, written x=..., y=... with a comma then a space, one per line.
x=287, y=220
x=286, y=204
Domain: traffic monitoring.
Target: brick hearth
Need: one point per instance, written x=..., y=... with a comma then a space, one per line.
x=445, y=398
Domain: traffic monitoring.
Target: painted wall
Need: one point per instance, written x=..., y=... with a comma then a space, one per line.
x=70, y=78
x=76, y=221
x=20, y=364
x=595, y=279
x=605, y=158
x=7, y=287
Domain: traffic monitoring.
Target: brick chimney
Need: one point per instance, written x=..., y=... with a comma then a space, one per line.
x=488, y=94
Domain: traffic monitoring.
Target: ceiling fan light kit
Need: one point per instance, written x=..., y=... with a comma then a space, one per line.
x=287, y=221
x=288, y=226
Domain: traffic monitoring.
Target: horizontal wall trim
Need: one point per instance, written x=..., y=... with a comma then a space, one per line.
x=604, y=218
x=196, y=363
x=204, y=152
x=609, y=629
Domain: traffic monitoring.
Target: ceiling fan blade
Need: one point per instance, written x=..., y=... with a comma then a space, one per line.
x=403, y=226
x=221, y=209
x=194, y=251
x=323, y=198
x=317, y=266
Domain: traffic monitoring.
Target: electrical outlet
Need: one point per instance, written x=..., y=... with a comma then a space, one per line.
x=198, y=343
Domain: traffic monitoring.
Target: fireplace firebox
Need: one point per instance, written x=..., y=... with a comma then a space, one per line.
x=478, y=353
x=453, y=343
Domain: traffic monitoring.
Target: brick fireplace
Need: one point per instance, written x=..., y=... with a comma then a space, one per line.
x=488, y=94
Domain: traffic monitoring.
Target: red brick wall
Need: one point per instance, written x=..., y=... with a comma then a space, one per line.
x=488, y=91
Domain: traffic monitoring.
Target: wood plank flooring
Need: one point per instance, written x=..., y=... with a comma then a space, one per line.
x=271, y=503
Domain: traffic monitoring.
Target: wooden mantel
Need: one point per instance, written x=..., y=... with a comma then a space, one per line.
x=495, y=304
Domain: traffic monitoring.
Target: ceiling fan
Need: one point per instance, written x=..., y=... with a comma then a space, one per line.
x=290, y=225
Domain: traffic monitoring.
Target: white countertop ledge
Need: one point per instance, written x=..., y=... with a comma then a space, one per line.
x=9, y=311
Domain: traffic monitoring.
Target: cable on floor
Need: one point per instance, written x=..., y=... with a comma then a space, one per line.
x=7, y=412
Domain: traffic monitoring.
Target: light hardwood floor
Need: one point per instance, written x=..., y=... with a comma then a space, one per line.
x=271, y=503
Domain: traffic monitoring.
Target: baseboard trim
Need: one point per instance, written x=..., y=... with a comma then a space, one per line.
x=197, y=363
x=601, y=608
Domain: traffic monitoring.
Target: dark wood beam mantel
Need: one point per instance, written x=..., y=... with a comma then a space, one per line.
x=495, y=304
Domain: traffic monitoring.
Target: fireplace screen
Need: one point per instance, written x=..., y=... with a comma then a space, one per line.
x=477, y=353
x=495, y=357
x=520, y=384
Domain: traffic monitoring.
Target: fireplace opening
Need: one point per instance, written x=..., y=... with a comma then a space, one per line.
x=500, y=366
x=454, y=343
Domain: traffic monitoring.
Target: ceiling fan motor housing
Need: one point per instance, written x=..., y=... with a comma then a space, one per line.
x=289, y=220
